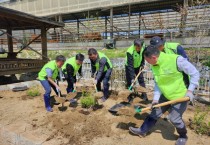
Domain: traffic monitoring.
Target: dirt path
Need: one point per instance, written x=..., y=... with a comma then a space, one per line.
x=73, y=128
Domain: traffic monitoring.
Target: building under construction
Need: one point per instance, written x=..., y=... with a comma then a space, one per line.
x=115, y=23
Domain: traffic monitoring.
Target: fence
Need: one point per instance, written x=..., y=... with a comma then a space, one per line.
x=118, y=80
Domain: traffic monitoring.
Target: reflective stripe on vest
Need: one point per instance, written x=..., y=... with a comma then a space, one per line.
x=168, y=78
x=108, y=64
x=53, y=66
x=73, y=63
x=137, y=58
x=171, y=47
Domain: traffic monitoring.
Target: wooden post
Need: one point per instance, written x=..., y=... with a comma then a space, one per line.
x=44, y=42
x=9, y=40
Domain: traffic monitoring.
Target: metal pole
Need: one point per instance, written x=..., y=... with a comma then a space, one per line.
x=61, y=30
x=111, y=23
x=129, y=20
x=139, y=24
x=183, y=18
x=105, y=27
x=78, y=28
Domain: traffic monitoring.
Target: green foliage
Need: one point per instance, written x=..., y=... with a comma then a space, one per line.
x=33, y=92
x=87, y=101
x=207, y=62
x=111, y=53
x=199, y=122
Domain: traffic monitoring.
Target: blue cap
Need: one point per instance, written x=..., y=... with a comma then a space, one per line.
x=157, y=41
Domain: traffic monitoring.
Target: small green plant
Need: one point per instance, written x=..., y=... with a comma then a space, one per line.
x=199, y=123
x=87, y=101
x=33, y=92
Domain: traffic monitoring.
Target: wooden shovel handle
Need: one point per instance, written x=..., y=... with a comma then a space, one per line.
x=95, y=87
x=184, y=99
x=136, y=78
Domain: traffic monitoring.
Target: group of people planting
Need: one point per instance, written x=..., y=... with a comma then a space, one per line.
x=175, y=77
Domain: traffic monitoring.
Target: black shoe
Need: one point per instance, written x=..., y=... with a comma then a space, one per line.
x=56, y=103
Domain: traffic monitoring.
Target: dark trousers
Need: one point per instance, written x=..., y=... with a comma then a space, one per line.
x=105, y=78
x=70, y=82
x=175, y=113
x=140, y=78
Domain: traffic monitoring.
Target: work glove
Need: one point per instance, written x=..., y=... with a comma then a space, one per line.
x=191, y=96
x=132, y=81
x=154, y=102
x=92, y=75
x=95, y=82
x=58, y=89
x=81, y=75
x=141, y=68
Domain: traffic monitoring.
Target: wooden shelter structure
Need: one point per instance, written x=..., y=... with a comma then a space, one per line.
x=11, y=20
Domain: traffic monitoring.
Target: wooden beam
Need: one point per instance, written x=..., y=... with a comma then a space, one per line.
x=9, y=40
x=44, y=43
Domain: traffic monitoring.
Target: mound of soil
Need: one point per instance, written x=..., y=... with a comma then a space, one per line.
x=73, y=127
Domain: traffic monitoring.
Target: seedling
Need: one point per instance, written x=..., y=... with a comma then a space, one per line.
x=87, y=101
x=33, y=92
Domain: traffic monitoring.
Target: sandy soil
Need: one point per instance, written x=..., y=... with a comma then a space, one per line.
x=71, y=127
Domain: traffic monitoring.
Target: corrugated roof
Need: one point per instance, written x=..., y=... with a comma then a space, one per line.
x=19, y=20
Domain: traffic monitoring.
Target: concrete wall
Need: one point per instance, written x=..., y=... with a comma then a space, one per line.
x=186, y=42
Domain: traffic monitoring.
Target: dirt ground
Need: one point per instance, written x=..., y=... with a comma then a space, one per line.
x=71, y=127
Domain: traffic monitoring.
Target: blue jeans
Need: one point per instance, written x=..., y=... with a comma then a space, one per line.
x=47, y=86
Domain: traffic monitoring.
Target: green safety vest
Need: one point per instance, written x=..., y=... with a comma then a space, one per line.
x=171, y=47
x=73, y=63
x=101, y=55
x=53, y=66
x=168, y=78
x=137, y=58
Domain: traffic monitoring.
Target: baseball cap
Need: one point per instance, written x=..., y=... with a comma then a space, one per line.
x=157, y=41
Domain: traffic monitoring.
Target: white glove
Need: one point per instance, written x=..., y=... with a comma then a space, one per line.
x=191, y=96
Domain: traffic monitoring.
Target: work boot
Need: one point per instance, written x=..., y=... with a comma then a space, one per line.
x=182, y=140
x=144, y=97
x=103, y=99
x=145, y=127
x=49, y=109
x=137, y=131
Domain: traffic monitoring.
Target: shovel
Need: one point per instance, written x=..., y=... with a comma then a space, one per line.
x=184, y=99
x=61, y=99
x=126, y=110
x=98, y=94
x=127, y=92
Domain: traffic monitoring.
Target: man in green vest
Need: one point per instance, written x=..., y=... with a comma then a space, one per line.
x=47, y=77
x=135, y=62
x=70, y=69
x=168, y=47
x=167, y=70
x=101, y=64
